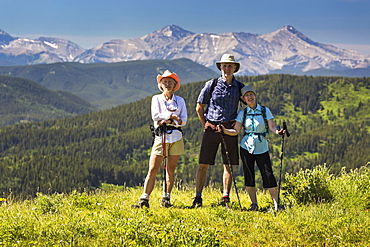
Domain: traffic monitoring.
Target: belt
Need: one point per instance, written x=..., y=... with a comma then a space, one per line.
x=213, y=122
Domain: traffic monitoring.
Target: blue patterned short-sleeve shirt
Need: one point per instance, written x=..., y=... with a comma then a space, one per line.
x=223, y=103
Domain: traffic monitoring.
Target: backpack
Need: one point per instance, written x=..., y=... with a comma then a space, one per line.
x=263, y=113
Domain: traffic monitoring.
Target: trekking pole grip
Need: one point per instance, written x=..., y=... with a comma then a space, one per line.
x=286, y=129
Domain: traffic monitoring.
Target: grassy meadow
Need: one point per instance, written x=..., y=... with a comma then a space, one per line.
x=335, y=214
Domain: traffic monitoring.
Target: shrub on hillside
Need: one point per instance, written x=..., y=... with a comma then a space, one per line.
x=309, y=186
x=348, y=189
x=351, y=189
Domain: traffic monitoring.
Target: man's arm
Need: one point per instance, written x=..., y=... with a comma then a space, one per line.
x=200, y=111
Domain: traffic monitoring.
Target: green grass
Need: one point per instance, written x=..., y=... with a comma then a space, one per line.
x=106, y=218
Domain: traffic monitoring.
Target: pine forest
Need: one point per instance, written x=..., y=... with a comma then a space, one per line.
x=328, y=119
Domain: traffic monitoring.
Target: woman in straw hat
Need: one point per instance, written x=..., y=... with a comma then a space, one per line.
x=169, y=115
x=254, y=146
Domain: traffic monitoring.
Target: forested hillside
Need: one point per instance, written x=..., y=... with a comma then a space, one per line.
x=328, y=118
x=106, y=85
x=23, y=100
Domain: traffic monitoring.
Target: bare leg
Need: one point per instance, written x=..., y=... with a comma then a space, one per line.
x=252, y=194
x=227, y=179
x=274, y=195
x=170, y=176
x=201, y=177
x=154, y=165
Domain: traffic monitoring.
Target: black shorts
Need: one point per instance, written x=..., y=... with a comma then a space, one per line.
x=264, y=165
x=211, y=141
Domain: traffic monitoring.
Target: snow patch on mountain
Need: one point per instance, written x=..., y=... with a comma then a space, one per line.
x=25, y=51
x=286, y=49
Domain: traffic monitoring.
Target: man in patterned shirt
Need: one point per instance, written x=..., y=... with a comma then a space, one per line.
x=221, y=96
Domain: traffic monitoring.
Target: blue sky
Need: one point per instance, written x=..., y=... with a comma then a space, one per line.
x=89, y=23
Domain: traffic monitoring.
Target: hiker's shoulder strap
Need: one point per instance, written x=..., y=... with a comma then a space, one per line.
x=214, y=83
x=240, y=86
x=263, y=110
x=245, y=115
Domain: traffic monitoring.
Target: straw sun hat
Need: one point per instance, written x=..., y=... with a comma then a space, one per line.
x=228, y=58
x=169, y=74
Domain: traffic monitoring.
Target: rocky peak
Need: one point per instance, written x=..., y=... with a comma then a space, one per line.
x=5, y=38
x=171, y=31
x=285, y=35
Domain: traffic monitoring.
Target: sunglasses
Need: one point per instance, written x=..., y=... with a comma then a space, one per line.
x=171, y=105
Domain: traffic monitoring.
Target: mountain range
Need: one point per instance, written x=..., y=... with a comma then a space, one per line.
x=24, y=51
x=283, y=51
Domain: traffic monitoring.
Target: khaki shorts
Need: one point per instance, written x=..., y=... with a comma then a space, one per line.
x=176, y=148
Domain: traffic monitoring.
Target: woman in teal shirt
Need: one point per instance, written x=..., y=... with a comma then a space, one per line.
x=257, y=121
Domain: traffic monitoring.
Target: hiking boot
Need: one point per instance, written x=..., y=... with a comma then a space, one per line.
x=253, y=207
x=142, y=203
x=279, y=207
x=225, y=200
x=166, y=202
x=198, y=201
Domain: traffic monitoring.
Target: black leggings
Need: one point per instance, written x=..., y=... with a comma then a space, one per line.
x=264, y=165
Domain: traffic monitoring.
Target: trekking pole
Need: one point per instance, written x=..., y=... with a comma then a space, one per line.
x=164, y=149
x=229, y=163
x=152, y=129
x=281, y=157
